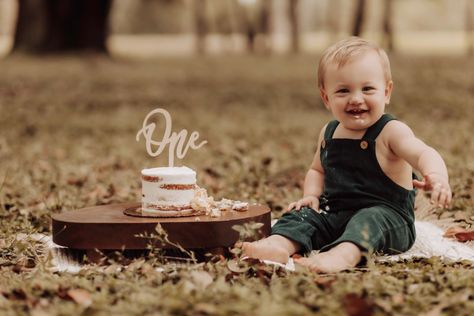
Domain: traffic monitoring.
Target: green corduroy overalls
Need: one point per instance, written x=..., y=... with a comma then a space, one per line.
x=360, y=203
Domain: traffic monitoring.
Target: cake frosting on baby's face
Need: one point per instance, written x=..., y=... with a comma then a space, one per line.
x=167, y=189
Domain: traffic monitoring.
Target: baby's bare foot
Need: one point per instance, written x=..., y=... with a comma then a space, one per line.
x=322, y=263
x=265, y=250
x=344, y=256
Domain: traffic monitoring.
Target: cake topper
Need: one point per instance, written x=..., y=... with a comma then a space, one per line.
x=176, y=141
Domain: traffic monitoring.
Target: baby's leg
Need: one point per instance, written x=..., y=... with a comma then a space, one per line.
x=275, y=248
x=343, y=256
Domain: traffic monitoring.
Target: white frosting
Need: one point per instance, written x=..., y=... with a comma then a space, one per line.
x=167, y=188
x=172, y=175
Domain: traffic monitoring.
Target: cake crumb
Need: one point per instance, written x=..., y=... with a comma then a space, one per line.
x=215, y=212
x=240, y=206
x=207, y=205
x=225, y=205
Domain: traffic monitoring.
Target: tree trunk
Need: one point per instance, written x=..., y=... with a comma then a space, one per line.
x=470, y=27
x=255, y=23
x=294, y=26
x=58, y=26
x=200, y=25
x=333, y=17
x=250, y=35
x=359, y=18
x=264, y=24
x=387, y=25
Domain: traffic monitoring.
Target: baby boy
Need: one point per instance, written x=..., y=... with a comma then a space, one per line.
x=359, y=191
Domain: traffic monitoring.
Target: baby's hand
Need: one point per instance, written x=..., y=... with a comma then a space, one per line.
x=310, y=201
x=438, y=185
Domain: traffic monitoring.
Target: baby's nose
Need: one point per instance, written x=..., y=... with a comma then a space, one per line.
x=355, y=98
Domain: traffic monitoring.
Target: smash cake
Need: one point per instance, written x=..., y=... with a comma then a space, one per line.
x=173, y=192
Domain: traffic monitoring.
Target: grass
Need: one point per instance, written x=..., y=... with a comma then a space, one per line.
x=67, y=140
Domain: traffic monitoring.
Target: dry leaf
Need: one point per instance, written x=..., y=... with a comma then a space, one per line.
x=80, y=296
x=452, y=231
x=465, y=236
x=461, y=234
x=357, y=306
x=205, y=308
x=398, y=299
x=325, y=281
x=461, y=216
x=39, y=312
x=77, y=181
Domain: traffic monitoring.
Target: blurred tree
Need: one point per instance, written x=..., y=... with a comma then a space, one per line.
x=294, y=25
x=255, y=20
x=151, y=16
x=200, y=25
x=55, y=26
x=264, y=22
x=226, y=17
x=470, y=27
x=333, y=17
x=387, y=25
x=359, y=18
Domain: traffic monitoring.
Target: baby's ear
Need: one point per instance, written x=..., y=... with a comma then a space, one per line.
x=324, y=97
x=388, y=91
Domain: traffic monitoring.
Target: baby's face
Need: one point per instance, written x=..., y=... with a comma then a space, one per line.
x=357, y=92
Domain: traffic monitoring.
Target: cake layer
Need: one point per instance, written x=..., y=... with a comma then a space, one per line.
x=169, y=175
x=163, y=207
x=167, y=189
x=153, y=194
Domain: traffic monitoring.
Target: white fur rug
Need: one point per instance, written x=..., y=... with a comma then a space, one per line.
x=431, y=243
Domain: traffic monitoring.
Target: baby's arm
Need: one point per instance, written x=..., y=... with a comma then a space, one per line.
x=421, y=157
x=313, y=182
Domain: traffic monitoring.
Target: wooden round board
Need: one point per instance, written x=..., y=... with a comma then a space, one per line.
x=107, y=227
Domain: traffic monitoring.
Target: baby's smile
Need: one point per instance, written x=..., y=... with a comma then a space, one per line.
x=356, y=112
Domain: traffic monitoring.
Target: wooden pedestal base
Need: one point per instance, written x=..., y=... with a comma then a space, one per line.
x=106, y=227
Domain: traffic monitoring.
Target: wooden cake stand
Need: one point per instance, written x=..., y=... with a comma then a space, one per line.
x=107, y=227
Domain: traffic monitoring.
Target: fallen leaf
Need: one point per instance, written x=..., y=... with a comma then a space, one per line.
x=465, y=236
x=80, y=296
x=205, y=308
x=398, y=299
x=18, y=294
x=451, y=231
x=461, y=216
x=461, y=234
x=39, y=312
x=325, y=281
x=357, y=306
x=77, y=181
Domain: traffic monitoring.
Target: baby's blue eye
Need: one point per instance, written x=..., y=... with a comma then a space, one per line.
x=368, y=88
x=342, y=91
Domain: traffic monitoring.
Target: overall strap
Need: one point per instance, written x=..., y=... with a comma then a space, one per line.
x=330, y=128
x=374, y=131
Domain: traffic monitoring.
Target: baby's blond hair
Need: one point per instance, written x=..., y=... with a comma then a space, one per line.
x=343, y=51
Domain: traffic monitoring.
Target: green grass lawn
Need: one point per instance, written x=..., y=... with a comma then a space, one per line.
x=67, y=140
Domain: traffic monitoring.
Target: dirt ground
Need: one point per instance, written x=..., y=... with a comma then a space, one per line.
x=67, y=140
